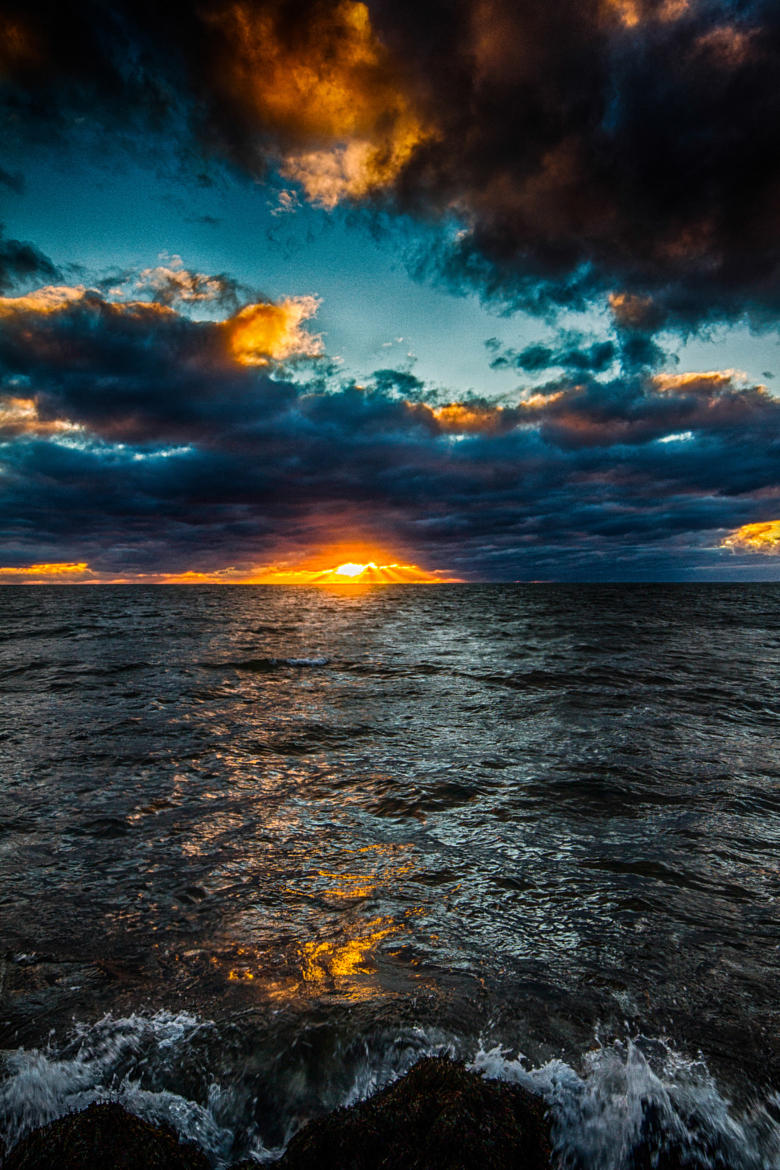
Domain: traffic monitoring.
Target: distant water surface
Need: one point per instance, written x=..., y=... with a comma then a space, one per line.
x=261, y=847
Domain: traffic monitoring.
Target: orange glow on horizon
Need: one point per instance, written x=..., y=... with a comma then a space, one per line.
x=59, y=572
x=344, y=574
x=350, y=569
x=350, y=573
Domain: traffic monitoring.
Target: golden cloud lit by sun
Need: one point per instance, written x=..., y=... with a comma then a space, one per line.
x=631, y=13
x=265, y=332
x=57, y=573
x=49, y=299
x=763, y=537
x=331, y=92
x=462, y=418
x=20, y=416
x=256, y=335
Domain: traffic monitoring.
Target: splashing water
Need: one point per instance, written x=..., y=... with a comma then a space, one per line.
x=641, y=1092
x=626, y=1095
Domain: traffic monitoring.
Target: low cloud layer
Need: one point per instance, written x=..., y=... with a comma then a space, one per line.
x=136, y=439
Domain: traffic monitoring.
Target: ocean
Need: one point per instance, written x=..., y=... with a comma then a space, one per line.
x=263, y=847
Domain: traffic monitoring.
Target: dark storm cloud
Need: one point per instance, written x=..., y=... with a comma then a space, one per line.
x=22, y=263
x=587, y=146
x=400, y=383
x=618, y=145
x=13, y=180
x=570, y=353
x=132, y=372
x=132, y=436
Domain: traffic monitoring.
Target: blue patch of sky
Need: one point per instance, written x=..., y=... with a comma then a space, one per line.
x=373, y=315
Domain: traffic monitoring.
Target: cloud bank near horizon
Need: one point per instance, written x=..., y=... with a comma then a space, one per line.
x=136, y=438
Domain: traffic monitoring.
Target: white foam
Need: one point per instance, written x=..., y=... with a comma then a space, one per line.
x=107, y=1061
x=600, y=1114
x=307, y=661
x=599, y=1111
x=379, y=1069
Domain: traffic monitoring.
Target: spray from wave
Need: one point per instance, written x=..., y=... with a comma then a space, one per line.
x=642, y=1095
x=629, y=1104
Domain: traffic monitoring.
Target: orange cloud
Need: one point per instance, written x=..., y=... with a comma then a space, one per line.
x=476, y=418
x=256, y=335
x=48, y=299
x=539, y=401
x=467, y=418
x=56, y=298
x=19, y=416
x=757, y=538
x=706, y=382
x=340, y=573
x=263, y=332
x=330, y=92
x=17, y=46
x=630, y=13
x=727, y=45
x=632, y=311
x=59, y=573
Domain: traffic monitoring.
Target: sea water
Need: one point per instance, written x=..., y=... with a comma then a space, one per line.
x=263, y=847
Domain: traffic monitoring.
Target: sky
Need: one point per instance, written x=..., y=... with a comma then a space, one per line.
x=475, y=291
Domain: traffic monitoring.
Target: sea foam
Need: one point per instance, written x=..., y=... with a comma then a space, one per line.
x=621, y=1095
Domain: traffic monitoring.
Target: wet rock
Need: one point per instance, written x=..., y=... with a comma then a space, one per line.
x=439, y=1116
x=104, y=1137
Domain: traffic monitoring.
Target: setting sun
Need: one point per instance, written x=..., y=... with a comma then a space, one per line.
x=279, y=573
x=350, y=569
x=353, y=573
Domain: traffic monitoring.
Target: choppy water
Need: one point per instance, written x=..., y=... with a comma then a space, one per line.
x=260, y=848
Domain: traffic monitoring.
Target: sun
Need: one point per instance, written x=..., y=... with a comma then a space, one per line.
x=342, y=573
x=351, y=569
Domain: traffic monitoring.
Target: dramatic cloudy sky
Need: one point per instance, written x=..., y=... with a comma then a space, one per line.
x=490, y=287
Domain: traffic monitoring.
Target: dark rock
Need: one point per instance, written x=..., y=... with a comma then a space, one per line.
x=104, y=1137
x=439, y=1116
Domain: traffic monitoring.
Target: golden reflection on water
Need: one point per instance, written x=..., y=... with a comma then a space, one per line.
x=356, y=885
x=337, y=965
x=345, y=962
x=352, y=885
x=341, y=966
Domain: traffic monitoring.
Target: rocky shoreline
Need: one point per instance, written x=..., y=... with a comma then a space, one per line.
x=439, y=1116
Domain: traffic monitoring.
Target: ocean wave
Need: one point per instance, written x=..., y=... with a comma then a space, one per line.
x=111, y=1059
x=627, y=1103
x=263, y=665
x=642, y=1094
x=159, y=1066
